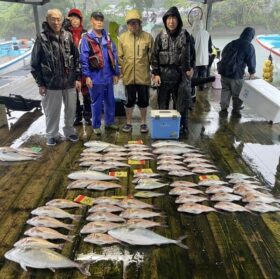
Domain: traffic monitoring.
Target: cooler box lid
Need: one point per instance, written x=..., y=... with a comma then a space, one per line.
x=165, y=114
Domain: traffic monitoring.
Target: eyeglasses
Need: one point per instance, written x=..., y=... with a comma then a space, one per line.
x=132, y=22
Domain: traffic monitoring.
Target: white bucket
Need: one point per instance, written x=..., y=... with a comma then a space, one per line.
x=217, y=83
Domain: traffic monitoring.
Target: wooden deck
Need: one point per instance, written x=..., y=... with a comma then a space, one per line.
x=221, y=245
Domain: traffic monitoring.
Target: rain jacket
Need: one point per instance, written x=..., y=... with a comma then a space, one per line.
x=203, y=44
x=55, y=61
x=134, y=53
x=105, y=74
x=245, y=56
x=172, y=52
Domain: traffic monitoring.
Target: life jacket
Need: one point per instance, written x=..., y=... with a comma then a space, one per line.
x=96, y=59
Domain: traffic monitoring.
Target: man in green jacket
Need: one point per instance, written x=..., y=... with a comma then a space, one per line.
x=134, y=53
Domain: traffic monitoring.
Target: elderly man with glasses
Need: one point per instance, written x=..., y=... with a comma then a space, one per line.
x=134, y=53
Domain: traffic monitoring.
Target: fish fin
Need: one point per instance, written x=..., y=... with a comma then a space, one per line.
x=60, y=246
x=84, y=268
x=70, y=238
x=23, y=266
x=179, y=242
x=77, y=217
x=70, y=227
x=52, y=269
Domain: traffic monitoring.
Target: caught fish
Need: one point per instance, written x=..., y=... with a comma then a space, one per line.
x=104, y=216
x=218, y=189
x=239, y=176
x=150, y=185
x=230, y=206
x=190, y=198
x=48, y=233
x=140, y=236
x=101, y=239
x=180, y=173
x=183, y=183
x=203, y=170
x=243, y=190
x=49, y=222
x=139, y=180
x=106, y=200
x=140, y=152
x=178, y=191
x=194, y=208
x=193, y=155
x=249, y=185
x=211, y=182
x=43, y=258
x=147, y=194
x=97, y=143
x=90, y=163
x=201, y=165
x=135, y=213
x=142, y=223
x=102, y=167
x=14, y=157
x=223, y=196
x=251, y=197
x=146, y=175
x=35, y=242
x=163, y=143
x=95, y=175
x=98, y=227
x=261, y=207
x=109, y=159
x=134, y=203
x=177, y=150
x=54, y=212
x=196, y=160
x=140, y=158
x=169, y=161
x=80, y=184
x=105, y=208
x=170, y=167
x=63, y=203
x=135, y=145
x=103, y=185
x=169, y=157
x=242, y=180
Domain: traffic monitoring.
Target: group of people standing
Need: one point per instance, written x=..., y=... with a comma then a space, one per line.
x=66, y=60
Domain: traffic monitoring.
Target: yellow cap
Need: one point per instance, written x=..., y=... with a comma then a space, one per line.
x=133, y=14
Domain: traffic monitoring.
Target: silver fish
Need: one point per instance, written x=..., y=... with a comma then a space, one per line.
x=170, y=167
x=142, y=223
x=190, y=198
x=97, y=143
x=180, y=173
x=139, y=180
x=140, y=152
x=147, y=194
x=261, y=207
x=251, y=197
x=229, y=206
x=169, y=156
x=54, y=212
x=177, y=150
x=238, y=176
x=134, y=203
x=92, y=164
x=249, y=185
x=80, y=184
x=135, y=213
x=103, y=167
x=225, y=197
x=242, y=180
x=35, y=242
x=106, y=200
x=164, y=143
x=95, y=175
x=194, y=208
x=177, y=191
x=140, y=157
x=49, y=222
x=109, y=159
x=218, y=189
x=105, y=208
x=169, y=161
x=104, y=216
x=43, y=258
x=201, y=165
x=196, y=160
x=98, y=227
x=63, y=203
x=183, y=183
x=150, y=185
x=48, y=233
x=146, y=175
x=14, y=157
x=140, y=236
x=100, y=239
x=211, y=182
x=103, y=185
x=203, y=170
x=193, y=155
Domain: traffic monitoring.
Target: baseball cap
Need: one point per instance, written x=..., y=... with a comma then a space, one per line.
x=97, y=15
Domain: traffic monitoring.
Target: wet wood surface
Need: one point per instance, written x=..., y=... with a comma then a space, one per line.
x=221, y=245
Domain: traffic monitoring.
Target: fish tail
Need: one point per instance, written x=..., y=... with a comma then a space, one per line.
x=84, y=268
x=69, y=227
x=76, y=217
x=179, y=242
x=70, y=238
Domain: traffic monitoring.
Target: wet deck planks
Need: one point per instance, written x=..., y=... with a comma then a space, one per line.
x=220, y=245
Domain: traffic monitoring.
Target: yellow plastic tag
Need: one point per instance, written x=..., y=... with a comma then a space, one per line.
x=136, y=162
x=209, y=177
x=135, y=142
x=121, y=197
x=142, y=171
x=118, y=173
x=84, y=200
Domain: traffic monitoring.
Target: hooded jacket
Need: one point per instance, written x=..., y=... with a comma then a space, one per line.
x=134, y=53
x=55, y=60
x=172, y=52
x=245, y=56
x=105, y=74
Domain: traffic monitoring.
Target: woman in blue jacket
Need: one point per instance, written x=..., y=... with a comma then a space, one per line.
x=100, y=67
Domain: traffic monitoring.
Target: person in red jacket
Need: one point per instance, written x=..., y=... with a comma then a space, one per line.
x=74, y=24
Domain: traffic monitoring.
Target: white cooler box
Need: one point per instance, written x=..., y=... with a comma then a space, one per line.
x=165, y=124
x=263, y=97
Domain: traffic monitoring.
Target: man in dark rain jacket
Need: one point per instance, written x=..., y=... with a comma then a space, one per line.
x=173, y=56
x=235, y=57
x=55, y=68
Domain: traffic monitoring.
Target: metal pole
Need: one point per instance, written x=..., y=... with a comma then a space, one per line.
x=36, y=18
x=209, y=12
x=3, y=116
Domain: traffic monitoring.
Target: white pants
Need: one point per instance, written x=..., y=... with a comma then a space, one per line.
x=52, y=103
